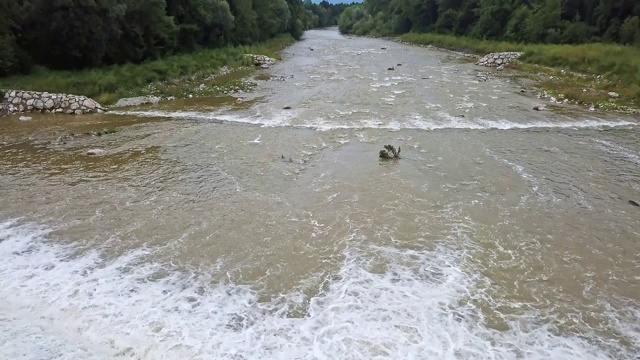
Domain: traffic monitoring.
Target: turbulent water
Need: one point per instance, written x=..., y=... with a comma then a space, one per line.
x=240, y=230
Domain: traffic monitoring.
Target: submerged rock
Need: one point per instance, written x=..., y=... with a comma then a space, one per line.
x=136, y=101
x=25, y=118
x=95, y=152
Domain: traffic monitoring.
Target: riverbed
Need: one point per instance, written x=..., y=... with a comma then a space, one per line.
x=233, y=228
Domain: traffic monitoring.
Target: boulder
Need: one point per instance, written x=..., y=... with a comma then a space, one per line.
x=613, y=95
x=89, y=104
x=95, y=152
x=262, y=60
x=498, y=59
x=136, y=101
x=25, y=118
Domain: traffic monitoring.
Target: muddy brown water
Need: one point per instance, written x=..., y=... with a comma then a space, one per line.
x=236, y=229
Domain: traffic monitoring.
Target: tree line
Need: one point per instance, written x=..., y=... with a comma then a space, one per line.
x=531, y=21
x=79, y=34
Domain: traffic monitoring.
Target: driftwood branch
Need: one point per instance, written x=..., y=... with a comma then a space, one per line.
x=390, y=153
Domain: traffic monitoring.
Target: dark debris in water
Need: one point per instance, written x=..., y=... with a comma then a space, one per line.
x=389, y=153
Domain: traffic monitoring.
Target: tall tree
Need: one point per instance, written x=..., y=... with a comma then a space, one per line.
x=146, y=32
x=200, y=22
x=245, y=22
x=555, y=21
x=70, y=34
x=273, y=17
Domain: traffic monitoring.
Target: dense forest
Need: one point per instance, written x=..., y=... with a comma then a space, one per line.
x=79, y=34
x=530, y=21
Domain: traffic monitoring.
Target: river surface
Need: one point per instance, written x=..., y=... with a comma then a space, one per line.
x=236, y=229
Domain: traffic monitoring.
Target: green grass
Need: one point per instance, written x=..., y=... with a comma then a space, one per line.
x=107, y=85
x=618, y=66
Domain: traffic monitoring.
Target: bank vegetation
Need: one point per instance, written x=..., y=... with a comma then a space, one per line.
x=599, y=39
x=110, y=48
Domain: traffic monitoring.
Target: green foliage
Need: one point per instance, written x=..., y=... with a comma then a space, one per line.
x=273, y=17
x=531, y=26
x=531, y=21
x=8, y=56
x=618, y=64
x=630, y=31
x=86, y=34
x=108, y=84
x=146, y=32
x=200, y=22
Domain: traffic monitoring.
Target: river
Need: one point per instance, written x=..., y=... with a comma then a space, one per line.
x=236, y=229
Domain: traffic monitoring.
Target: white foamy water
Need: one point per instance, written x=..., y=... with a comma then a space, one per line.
x=611, y=148
x=56, y=303
x=440, y=121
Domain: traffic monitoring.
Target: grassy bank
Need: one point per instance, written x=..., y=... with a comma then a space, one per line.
x=173, y=75
x=600, y=68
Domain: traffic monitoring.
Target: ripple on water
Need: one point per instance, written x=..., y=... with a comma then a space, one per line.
x=440, y=120
x=382, y=303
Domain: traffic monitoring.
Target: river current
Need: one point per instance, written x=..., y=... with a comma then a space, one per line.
x=237, y=229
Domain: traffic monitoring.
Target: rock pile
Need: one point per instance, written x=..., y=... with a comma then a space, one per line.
x=16, y=101
x=262, y=60
x=498, y=59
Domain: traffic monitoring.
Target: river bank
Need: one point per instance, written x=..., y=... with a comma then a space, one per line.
x=584, y=74
x=203, y=73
